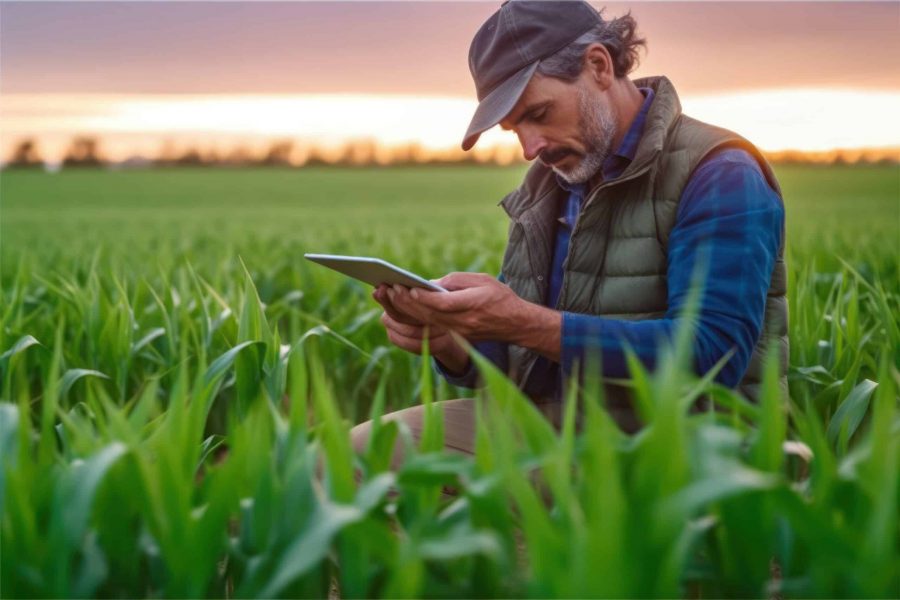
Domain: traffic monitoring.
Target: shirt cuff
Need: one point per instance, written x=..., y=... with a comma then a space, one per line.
x=569, y=354
x=467, y=379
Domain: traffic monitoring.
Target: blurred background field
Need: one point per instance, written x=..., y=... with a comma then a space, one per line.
x=451, y=210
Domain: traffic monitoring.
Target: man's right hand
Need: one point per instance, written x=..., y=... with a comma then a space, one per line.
x=407, y=333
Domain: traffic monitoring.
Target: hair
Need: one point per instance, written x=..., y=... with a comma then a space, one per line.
x=618, y=36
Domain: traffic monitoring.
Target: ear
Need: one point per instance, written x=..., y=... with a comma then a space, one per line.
x=599, y=66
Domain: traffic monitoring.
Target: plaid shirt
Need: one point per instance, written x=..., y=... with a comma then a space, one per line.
x=729, y=220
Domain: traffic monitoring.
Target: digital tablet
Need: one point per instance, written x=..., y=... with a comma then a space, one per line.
x=373, y=271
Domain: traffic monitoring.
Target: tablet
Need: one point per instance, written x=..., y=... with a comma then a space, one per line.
x=373, y=271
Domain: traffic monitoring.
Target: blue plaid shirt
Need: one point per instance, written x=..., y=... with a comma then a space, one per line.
x=728, y=219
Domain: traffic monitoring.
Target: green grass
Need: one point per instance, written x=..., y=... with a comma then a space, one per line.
x=173, y=373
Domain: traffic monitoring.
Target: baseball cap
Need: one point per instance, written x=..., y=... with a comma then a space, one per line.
x=507, y=49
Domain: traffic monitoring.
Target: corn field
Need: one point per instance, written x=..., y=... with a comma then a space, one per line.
x=178, y=387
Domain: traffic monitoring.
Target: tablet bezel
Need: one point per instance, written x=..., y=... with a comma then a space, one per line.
x=334, y=261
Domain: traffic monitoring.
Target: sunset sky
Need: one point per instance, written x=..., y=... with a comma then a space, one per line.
x=789, y=75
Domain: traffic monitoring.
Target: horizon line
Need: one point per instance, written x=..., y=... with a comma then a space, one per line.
x=806, y=119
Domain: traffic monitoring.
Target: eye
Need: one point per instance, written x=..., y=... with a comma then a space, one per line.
x=539, y=115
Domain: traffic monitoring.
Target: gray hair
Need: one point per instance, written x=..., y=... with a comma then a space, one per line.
x=617, y=35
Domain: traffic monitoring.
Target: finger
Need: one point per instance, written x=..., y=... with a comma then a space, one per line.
x=414, y=331
x=442, y=346
x=379, y=294
x=406, y=328
x=447, y=302
x=396, y=313
x=402, y=299
x=403, y=342
x=462, y=280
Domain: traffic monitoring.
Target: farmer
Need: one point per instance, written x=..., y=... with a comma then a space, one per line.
x=628, y=203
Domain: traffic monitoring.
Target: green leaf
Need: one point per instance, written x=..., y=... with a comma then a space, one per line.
x=851, y=411
x=25, y=342
x=372, y=492
x=433, y=468
x=220, y=366
x=9, y=444
x=767, y=450
x=381, y=446
x=93, y=569
x=253, y=324
x=75, y=495
x=149, y=337
x=460, y=541
x=72, y=375
x=310, y=546
x=736, y=481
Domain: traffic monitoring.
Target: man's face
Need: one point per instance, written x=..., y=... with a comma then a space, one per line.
x=569, y=126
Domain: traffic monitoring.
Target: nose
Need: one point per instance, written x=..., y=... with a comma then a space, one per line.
x=532, y=144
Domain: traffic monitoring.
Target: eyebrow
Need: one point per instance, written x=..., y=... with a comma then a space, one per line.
x=528, y=111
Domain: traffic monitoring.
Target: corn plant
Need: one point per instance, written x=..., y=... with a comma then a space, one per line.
x=177, y=398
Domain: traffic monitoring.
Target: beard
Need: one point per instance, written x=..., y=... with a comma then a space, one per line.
x=598, y=122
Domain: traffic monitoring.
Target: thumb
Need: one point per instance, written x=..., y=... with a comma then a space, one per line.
x=462, y=280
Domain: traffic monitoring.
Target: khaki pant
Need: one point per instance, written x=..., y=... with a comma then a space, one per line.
x=459, y=426
x=459, y=421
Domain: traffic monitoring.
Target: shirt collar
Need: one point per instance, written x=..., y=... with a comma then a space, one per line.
x=616, y=162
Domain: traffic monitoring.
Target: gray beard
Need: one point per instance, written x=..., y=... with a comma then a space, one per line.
x=598, y=121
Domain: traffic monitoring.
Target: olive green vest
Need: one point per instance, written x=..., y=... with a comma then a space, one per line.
x=616, y=263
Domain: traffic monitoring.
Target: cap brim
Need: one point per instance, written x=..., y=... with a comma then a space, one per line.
x=497, y=104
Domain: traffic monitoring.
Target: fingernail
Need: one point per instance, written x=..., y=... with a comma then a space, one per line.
x=391, y=292
x=414, y=293
x=397, y=289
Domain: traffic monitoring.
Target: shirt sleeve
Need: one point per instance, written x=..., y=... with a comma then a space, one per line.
x=728, y=229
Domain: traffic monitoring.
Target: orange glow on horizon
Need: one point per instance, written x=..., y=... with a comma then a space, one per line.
x=777, y=120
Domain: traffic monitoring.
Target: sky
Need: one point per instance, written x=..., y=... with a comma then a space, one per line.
x=788, y=75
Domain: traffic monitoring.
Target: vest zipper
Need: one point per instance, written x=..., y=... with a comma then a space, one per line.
x=578, y=220
x=532, y=356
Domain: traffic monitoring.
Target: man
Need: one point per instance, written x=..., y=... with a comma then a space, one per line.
x=627, y=203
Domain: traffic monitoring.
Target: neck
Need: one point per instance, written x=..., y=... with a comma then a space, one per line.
x=626, y=100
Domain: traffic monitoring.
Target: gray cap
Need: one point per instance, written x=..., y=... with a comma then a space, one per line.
x=507, y=49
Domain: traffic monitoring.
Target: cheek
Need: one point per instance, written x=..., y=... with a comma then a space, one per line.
x=567, y=135
x=577, y=138
x=573, y=142
x=568, y=128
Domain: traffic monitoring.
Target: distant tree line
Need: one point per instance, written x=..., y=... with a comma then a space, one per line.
x=87, y=152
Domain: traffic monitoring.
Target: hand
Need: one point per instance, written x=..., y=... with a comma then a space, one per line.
x=381, y=296
x=408, y=334
x=478, y=307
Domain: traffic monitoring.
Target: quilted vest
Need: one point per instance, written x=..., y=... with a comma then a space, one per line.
x=616, y=263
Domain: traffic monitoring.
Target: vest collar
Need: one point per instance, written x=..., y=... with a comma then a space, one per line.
x=540, y=181
x=664, y=111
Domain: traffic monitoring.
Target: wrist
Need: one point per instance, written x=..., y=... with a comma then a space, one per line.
x=539, y=329
x=455, y=360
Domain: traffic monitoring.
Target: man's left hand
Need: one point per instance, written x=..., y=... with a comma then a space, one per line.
x=478, y=307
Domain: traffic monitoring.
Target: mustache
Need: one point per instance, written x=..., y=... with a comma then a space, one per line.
x=548, y=157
